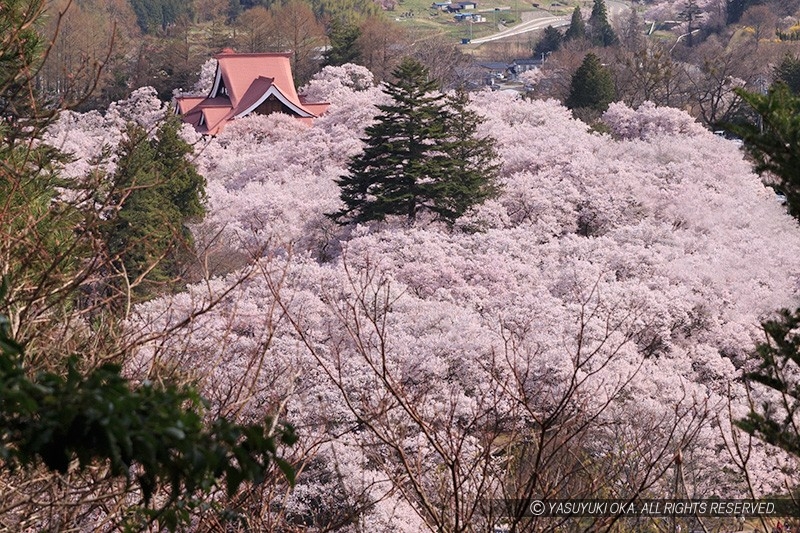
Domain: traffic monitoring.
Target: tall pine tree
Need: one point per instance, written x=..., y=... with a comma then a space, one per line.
x=159, y=191
x=689, y=14
x=601, y=31
x=788, y=72
x=774, y=142
x=343, y=36
x=577, y=27
x=422, y=154
x=472, y=165
x=550, y=42
x=592, y=87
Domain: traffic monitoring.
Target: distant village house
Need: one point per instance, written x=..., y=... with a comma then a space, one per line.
x=450, y=7
x=246, y=84
x=460, y=6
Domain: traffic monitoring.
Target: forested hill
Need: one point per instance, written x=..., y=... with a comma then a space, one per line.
x=603, y=306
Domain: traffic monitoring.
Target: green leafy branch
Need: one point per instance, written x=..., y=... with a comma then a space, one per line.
x=153, y=435
x=779, y=368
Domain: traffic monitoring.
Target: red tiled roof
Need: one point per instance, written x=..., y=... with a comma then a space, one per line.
x=187, y=103
x=213, y=118
x=317, y=108
x=242, y=82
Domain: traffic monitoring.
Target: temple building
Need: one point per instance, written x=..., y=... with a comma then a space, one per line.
x=245, y=84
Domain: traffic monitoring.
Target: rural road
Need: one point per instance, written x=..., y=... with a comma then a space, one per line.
x=615, y=10
x=524, y=27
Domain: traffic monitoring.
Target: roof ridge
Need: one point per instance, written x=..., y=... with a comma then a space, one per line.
x=225, y=54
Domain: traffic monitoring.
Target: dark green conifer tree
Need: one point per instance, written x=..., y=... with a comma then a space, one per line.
x=343, y=36
x=774, y=141
x=234, y=10
x=736, y=8
x=44, y=243
x=415, y=158
x=778, y=359
x=159, y=191
x=788, y=72
x=577, y=27
x=601, y=31
x=592, y=86
x=550, y=42
x=472, y=162
x=155, y=15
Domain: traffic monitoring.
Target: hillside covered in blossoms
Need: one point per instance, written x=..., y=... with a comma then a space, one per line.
x=570, y=338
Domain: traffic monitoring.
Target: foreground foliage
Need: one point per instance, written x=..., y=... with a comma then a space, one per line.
x=152, y=433
x=78, y=440
x=773, y=140
x=774, y=143
x=776, y=419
